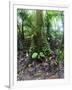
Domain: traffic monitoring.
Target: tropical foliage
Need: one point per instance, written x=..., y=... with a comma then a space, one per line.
x=41, y=33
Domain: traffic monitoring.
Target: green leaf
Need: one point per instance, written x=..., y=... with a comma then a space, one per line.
x=34, y=55
x=41, y=54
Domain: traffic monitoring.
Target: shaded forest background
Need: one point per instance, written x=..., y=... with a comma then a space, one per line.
x=40, y=44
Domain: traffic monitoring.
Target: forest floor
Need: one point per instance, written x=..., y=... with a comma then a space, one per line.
x=38, y=70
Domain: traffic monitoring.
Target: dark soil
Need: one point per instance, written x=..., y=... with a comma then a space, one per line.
x=38, y=70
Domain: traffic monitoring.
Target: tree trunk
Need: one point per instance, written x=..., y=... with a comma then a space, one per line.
x=39, y=40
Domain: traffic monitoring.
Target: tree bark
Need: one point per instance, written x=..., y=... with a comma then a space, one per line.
x=39, y=40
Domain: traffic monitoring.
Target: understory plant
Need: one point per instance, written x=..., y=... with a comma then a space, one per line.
x=59, y=56
x=36, y=55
